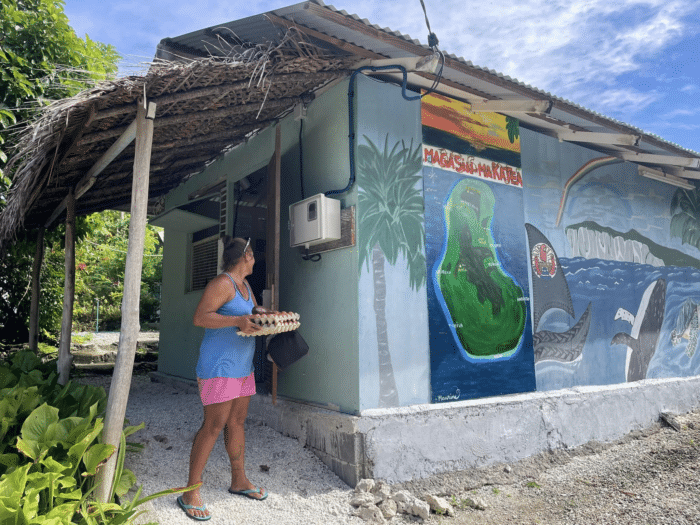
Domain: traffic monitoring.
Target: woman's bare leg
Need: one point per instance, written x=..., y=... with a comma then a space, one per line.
x=234, y=439
x=215, y=418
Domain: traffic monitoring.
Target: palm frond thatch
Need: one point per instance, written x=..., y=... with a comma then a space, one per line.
x=205, y=107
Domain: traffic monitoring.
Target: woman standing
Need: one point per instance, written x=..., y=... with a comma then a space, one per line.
x=225, y=373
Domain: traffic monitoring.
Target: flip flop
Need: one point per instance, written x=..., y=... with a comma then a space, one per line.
x=185, y=507
x=249, y=493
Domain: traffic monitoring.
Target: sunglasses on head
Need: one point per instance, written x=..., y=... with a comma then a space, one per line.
x=246, y=246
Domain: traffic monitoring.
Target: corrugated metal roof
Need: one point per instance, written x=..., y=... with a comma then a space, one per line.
x=361, y=33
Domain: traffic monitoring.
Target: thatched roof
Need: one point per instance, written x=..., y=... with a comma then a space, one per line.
x=208, y=104
x=205, y=106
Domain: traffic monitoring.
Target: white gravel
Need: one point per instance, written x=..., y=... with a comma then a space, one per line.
x=648, y=477
x=301, y=488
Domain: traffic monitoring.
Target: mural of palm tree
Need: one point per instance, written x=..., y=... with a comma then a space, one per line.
x=390, y=224
x=685, y=216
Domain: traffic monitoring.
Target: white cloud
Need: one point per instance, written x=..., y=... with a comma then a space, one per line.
x=680, y=113
x=570, y=48
x=576, y=49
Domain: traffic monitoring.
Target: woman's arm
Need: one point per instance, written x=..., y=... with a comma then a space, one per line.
x=216, y=294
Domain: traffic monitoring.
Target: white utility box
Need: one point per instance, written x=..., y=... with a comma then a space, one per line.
x=314, y=220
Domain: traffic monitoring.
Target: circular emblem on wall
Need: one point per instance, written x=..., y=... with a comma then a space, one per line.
x=544, y=263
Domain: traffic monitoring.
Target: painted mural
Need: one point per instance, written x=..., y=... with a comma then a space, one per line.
x=393, y=331
x=616, y=299
x=476, y=253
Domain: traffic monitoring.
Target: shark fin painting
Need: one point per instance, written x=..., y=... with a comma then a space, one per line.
x=551, y=291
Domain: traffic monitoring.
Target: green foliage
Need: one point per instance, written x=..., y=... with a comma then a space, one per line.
x=50, y=451
x=100, y=262
x=15, y=284
x=392, y=205
x=42, y=59
x=532, y=485
x=512, y=128
x=685, y=216
x=100, y=255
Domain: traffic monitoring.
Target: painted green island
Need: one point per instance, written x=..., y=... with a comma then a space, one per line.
x=486, y=307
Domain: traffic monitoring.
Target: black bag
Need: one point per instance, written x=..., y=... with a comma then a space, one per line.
x=287, y=348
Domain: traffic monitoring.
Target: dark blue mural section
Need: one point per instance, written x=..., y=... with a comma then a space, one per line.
x=473, y=351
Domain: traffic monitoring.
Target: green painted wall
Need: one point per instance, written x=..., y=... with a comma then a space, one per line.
x=324, y=293
x=179, y=338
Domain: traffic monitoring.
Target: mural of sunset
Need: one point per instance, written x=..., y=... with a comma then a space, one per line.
x=481, y=130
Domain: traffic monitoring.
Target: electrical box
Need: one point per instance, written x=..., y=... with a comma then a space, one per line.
x=314, y=220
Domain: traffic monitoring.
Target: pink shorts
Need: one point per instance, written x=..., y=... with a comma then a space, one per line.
x=220, y=389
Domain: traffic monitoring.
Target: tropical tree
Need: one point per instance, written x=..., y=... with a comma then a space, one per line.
x=100, y=260
x=41, y=60
x=685, y=216
x=391, y=224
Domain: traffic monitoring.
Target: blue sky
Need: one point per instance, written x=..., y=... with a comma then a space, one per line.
x=637, y=61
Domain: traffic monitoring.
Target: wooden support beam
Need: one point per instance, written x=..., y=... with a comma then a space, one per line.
x=426, y=81
x=620, y=139
x=36, y=293
x=123, y=366
x=272, y=256
x=666, y=178
x=662, y=160
x=513, y=106
x=89, y=179
x=65, y=358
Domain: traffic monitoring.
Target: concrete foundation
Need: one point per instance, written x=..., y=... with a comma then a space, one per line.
x=402, y=444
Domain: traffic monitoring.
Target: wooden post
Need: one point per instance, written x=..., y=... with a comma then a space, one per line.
x=65, y=358
x=272, y=257
x=36, y=293
x=123, y=366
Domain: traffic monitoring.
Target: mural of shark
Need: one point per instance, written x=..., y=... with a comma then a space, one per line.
x=644, y=335
x=551, y=291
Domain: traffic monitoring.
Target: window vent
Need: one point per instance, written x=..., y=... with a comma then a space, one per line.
x=205, y=262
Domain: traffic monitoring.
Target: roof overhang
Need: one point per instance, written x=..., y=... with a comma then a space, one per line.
x=211, y=95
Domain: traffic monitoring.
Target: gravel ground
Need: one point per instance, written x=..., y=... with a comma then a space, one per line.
x=648, y=477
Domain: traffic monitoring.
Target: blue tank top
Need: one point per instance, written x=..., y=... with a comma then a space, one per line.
x=224, y=353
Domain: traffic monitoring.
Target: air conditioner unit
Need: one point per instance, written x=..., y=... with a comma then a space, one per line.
x=314, y=220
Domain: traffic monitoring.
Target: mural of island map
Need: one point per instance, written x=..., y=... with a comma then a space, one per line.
x=476, y=253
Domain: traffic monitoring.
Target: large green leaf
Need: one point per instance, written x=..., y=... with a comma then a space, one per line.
x=95, y=456
x=25, y=361
x=126, y=481
x=38, y=431
x=11, y=490
x=76, y=452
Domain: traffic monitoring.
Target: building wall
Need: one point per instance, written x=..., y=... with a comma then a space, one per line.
x=618, y=237
x=323, y=292
x=480, y=335
x=328, y=375
x=393, y=323
x=591, y=252
x=604, y=261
